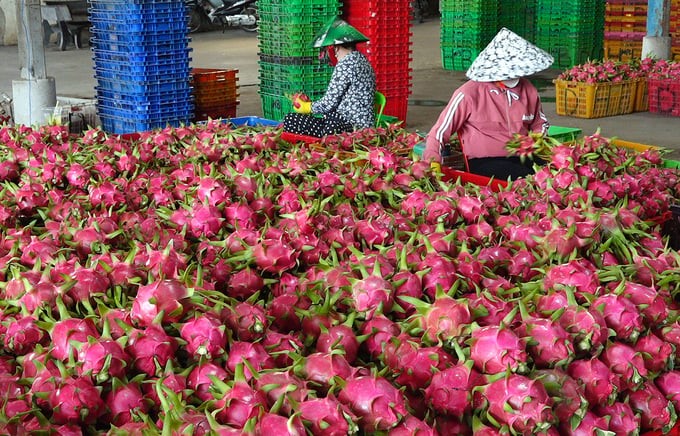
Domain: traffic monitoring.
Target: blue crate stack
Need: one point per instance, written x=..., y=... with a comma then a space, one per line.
x=288, y=63
x=141, y=60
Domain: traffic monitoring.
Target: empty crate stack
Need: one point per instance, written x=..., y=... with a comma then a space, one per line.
x=288, y=63
x=467, y=26
x=571, y=31
x=625, y=26
x=674, y=30
x=519, y=17
x=141, y=59
x=215, y=92
x=388, y=27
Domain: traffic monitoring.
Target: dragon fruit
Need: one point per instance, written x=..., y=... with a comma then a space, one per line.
x=76, y=401
x=205, y=336
x=151, y=349
x=589, y=425
x=600, y=385
x=274, y=256
x=621, y=315
x=496, y=349
x=248, y=321
x=254, y=353
x=548, y=344
x=125, y=402
x=377, y=332
x=201, y=377
x=625, y=362
x=450, y=391
x=327, y=417
x=23, y=335
x=579, y=274
x=520, y=403
x=339, y=337
x=324, y=369
x=657, y=354
x=415, y=366
x=103, y=359
x=68, y=332
x=622, y=420
x=271, y=423
x=656, y=412
x=238, y=402
x=163, y=299
x=444, y=320
x=378, y=404
x=566, y=393
x=587, y=327
x=413, y=426
x=372, y=294
x=284, y=389
x=669, y=383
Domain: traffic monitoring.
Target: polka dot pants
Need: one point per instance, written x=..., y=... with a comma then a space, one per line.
x=316, y=126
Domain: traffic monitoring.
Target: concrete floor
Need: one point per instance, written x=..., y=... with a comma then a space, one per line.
x=431, y=85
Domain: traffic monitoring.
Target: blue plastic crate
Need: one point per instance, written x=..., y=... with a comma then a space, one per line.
x=148, y=47
x=131, y=6
x=148, y=57
x=137, y=17
x=147, y=97
x=117, y=125
x=165, y=74
x=145, y=69
x=157, y=106
x=124, y=37
x=143, y=87
x=179, y=24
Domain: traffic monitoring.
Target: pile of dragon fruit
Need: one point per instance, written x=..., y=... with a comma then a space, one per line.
x=213, y=279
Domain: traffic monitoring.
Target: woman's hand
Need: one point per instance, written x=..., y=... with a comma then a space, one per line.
x=302, y=104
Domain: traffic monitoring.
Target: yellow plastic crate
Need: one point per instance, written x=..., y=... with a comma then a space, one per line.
x=633, y=145
x=594, y=100
x=641, y=96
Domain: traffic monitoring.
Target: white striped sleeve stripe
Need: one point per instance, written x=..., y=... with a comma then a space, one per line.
x=449, y=116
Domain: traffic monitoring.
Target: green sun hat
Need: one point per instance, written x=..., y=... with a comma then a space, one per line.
x=337, y=31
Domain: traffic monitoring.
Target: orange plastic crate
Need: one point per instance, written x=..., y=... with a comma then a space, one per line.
x=622, y=50
x=212, y=74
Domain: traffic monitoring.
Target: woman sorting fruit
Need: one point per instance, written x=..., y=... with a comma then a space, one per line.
x=348, y=103
x=494, y=105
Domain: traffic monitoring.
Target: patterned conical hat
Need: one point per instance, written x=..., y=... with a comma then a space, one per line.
x=337, y=31
x=508, y=56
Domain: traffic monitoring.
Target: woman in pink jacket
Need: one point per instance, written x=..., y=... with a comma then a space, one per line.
x=492, y=106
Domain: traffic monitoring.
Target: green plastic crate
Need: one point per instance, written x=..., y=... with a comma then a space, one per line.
x=670, y=163
x=564, y=134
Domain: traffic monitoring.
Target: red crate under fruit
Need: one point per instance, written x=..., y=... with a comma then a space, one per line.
x=451, y=175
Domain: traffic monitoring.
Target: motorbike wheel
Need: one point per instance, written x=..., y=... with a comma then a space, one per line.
x=197, y=20
x=251, y=10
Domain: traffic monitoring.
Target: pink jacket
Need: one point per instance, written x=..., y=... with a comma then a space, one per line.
x=486, y=115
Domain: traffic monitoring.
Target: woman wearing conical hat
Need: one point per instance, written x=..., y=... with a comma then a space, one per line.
x=496, y=103
x=348, y=103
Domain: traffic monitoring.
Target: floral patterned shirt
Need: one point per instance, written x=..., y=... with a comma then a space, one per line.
x=351, y=91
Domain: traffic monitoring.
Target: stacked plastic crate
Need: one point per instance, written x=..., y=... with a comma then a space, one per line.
x=141, y=60
x=467, y=26
x=388, y=28
x=518, y=16
x=674, y=30
x=625, y=27
x=571, y=31
x=215, y=92
x=287, y=61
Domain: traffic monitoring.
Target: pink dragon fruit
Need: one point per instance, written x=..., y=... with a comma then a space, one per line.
x=657, y=354
x=377, y=403
x=444, y=320
x=656, y=412
x=327, y=417
x=622, y=420
x=587, y=327
x=489, y=309
x=600, y=385
x=284, y=389
x=280, y=346
x=68, y=332
x=23, y=335
x=244, y=283
x=378, y=331
x=441, y=273
x=579, y=274
x=651, y=304
x=239, y=403
x=271, y=423
x=248, y=321
x=201, y=378
x=103, y=359
x=520, y=403
x=151, y=349
x=566, y=393
x=547, y=342
x=496, y=349
x=125, y=402
x=166, y=296
x=621, y=315
x=324, y=369
x=669, y=384
x=205, y=336
x=76, y=401
x=252, y=352
x=372, y=294
x=413, y=426
x=274, y=256
x=415, y=366
x=339, y=337
x=450, y=391
x=625, y=362
x=590, y=424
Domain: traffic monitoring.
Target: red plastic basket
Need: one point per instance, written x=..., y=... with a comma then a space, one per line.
x=664, y=96
x=450, y=175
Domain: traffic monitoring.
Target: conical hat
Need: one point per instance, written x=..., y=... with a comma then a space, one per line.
x=337, y=31
x=508, y=56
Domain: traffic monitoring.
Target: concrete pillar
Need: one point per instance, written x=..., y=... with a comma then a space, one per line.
x=34, y=91
x=657, y=42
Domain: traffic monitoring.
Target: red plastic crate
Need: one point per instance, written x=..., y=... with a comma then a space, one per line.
x=664, y=96
x=397, y=106
x=450, y=175
x=294, y=137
